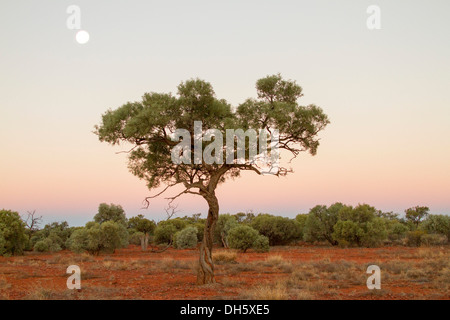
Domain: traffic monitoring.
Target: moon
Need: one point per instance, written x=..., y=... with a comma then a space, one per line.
x=82, y=37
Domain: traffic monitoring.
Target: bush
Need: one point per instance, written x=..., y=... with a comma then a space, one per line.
x=360, y=226
x=57, y=232
x=46, y=245
x=135, y=238
x=186, y=238
x=433, y=240
x=261, y=244
x=414, y=238
x=319, y=225
x=279, y=230
x=164, y=233
x=224, y=224
x=438, y=224
x=96, y=238
x=242, y=237
x=397, y=231
x=12, y=233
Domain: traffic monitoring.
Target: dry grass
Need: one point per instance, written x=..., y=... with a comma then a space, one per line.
x=225, y=256
x=277, y=291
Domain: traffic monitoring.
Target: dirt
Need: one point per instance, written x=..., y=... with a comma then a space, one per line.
x=328, y=273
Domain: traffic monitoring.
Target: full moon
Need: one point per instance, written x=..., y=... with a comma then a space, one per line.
x=82, y=37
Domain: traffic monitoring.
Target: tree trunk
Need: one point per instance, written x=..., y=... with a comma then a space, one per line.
x=205, y=273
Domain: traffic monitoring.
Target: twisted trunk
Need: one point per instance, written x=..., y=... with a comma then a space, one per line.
x=205, y=273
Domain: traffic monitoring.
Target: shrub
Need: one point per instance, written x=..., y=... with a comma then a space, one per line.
x=261, y=244
x=301, y=220
x=224, y=224
x=438, y=224
x=186, y=238
x=135, y=237
x=360, y=226
x=57, y=232
x=397, y=231
x=95, y=238
x=319, y=225
x=414, y=238
x=279, y=230
x=242, y=237
x=47, y=245
x=12, y=233
x=433, y=240
x=164, y=233
x=225, y=257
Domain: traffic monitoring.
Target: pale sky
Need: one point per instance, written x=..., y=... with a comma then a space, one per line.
x=385, y=91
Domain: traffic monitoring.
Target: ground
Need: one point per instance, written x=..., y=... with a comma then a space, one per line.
x=294, y=272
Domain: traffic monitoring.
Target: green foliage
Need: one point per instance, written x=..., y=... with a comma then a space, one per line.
x=301, y=220
x=360, y=226
x=397, y=230
x=46, y=244
x=12, y=233
x=261, y=244
x=242, y=237
x=319, y=225
x=57, y=234
x=437, y=224
x=95, y=238
x=414, y=238
x=110, y=212
x=164, y=233
x=186, y=238
x=416, y=214
x=141, y=224
x=224, y=224
x=135, y=237
x=279, y=230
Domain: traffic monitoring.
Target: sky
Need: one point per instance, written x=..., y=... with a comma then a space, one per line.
x=384, y=90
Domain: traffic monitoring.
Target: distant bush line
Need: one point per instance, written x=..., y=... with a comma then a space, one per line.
x=338, y=225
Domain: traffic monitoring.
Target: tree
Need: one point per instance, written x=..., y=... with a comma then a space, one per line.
x=149, y=125
x=12, y=233
x=144, y=226
x=110, y=212
x=319, y=224
x=416, y=214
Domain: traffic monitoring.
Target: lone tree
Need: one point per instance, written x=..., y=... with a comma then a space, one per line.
x=149, y=125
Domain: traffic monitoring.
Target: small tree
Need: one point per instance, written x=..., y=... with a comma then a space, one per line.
x=144, y=226
x=242, y=237
x=437, y=224
x=416, y=214
x=320, y=223
x=110, y=212
x=12, y=233
x=225, y=223
x=279, y=230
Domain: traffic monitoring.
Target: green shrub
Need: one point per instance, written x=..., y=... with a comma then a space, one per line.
x=242, y=237
x=397, y=231
x=110, y=212
x=224, y=224
x=186, y=238
x=279, y=230
x=46, y=245
x=12, y=233
x=433, y=240
x=347, y=233
x=164, y=233
x=261, y=244
x=95, y=238
x=135, y=237
x=319, y=225
x=414, y=238
x=438, y=224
